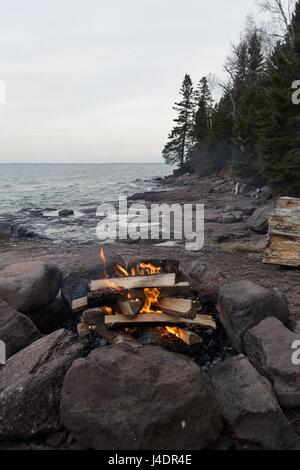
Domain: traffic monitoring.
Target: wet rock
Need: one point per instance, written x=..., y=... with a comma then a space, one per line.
x=30, y=386
x=65, y=213
x=259, y=221
x=243, y=304
x=16, y=330
x=30, y=285
x=269, y=347
x=249, y=406
x=134, y=397
x=21, y=231
x=6, y=230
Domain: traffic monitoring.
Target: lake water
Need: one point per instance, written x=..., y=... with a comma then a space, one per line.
x=32, y=195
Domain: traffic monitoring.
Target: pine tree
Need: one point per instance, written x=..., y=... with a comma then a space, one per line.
x=198, y=157
x=203, y=102
x=181, y=137
x=220, y=146
x=279, y=141
x=247, y=117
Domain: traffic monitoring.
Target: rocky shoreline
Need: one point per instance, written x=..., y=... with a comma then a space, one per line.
x=246, y=397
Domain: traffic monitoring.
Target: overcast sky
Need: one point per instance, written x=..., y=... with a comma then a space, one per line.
x=95, y=80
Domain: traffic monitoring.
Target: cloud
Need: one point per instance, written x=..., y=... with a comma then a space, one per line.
x=96, y=81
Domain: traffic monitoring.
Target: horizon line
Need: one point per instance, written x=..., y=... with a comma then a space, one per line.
x=82, y=163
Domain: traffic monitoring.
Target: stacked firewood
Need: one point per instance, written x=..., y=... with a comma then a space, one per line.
x=153, y=298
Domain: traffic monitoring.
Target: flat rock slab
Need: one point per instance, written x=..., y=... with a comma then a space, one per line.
x=30, y=285
x=16, y=330
x=249, y=405
x=133, y=397
x=30, y=386
x=269, y=347
x=244, y=304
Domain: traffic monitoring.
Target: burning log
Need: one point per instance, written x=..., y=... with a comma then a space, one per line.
x=204, y=321
x=107, y=296
x=110, y=296
x=181, y=289
x=129, y=308
x=165, y=266
x=180, y=308
x=138, y=282
x=188, y=337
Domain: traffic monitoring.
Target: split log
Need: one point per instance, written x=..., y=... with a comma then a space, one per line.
x=79, y=304
x=106, y=297
x=182, y=289
x=83, y=329
x=188, y=337
x=180, y=308
x=93, y=316
x=93, y=320
x=129, y=308
x=283, y=245
x=111, y=336
x=138, y=282
x=160, y=319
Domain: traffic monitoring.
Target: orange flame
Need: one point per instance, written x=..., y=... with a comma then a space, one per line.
x=104, y=262
x=102, y=256
x=148, y=269
x=152, y=296
x=121, y=270
x=174, y=331
x=108, y=310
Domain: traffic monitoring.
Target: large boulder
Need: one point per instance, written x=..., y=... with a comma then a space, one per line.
x=259, y=221
x=269, y=347
x=249, y=406
x=16, y=330
x=133, y=397
x=30, y=285
x=243, y=304
x=30, y=386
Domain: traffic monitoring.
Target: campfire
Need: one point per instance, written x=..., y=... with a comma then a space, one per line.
x=144, y=293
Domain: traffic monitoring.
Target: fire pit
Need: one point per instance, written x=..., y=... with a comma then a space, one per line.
x=150, y=301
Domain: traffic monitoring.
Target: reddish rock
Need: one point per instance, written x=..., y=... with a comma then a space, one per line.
x=249, y=405
x=30, y=285
x=243, y=304
x=269, y=347
x=16, y=330
x=130, y=397
x=30, y=386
